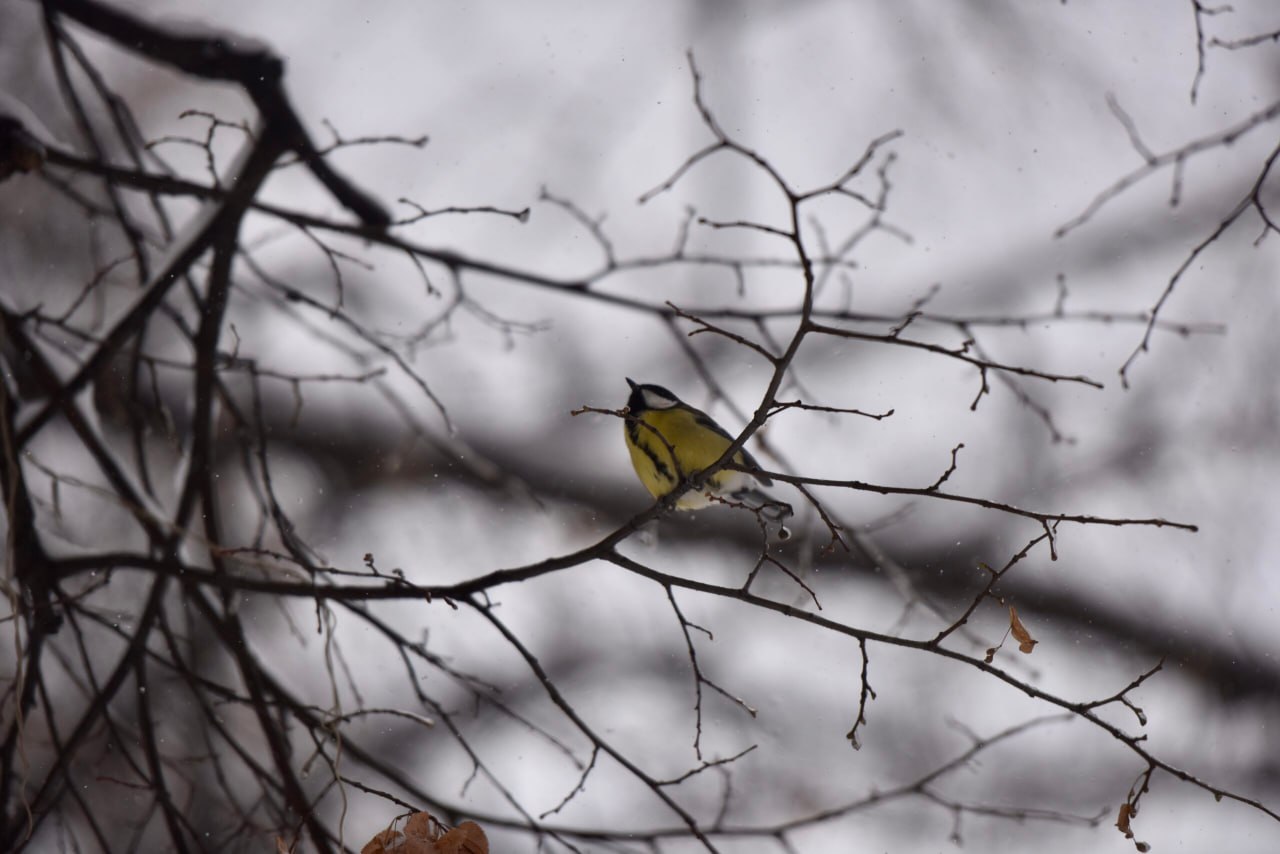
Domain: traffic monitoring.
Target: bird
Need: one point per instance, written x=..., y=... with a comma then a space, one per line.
x=670, y=441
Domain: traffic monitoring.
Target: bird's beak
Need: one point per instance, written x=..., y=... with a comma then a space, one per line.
x=634, y=385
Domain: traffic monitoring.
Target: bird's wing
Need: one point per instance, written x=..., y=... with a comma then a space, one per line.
x=748, y=461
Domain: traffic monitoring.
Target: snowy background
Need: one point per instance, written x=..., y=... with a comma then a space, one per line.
x=1007, y=136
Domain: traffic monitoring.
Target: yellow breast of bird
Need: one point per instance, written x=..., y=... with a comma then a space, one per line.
x=696, y=447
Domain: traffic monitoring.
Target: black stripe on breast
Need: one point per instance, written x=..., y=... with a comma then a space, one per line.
x=633, y=431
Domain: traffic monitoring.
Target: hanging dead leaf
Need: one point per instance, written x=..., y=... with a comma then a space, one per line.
x=392, y=841
x=1122, y=820
x=422, y=834
x=378, y=844
x=466, y=838
x=1026, y=643
x=423, y=825
x=1128, y=810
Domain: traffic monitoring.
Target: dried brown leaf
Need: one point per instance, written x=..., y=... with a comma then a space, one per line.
x=423, y=825
x=1122, y=821
x=381, y=841
x=466, y=838
x=422, y=834
x=1026, y=642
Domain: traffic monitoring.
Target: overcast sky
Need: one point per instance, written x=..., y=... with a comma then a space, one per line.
x=1006, y=136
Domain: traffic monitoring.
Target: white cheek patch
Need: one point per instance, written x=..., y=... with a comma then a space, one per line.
x=657, y=401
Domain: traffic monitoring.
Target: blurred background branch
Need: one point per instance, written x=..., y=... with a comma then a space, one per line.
x=301, y=535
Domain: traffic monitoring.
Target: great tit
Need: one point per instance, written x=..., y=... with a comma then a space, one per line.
x=670, y=441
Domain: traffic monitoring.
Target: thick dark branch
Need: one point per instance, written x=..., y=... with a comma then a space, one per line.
x=217, y=57
x=214, y=218
x=90, y=719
